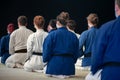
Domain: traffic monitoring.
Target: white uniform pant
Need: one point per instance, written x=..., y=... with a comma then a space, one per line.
x=15, y=58
x=96, y=76
x=35, y=63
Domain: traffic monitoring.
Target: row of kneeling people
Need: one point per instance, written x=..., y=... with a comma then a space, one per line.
x=55, y=52
x=61, y=48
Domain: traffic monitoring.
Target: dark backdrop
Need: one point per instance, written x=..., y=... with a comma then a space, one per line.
x=78, y=10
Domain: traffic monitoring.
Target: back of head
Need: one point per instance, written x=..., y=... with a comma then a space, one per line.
x=22, y=20
x=52, y=23
x=39, y=21
x=10, y=28
x=71, y=24
x=93, y=18
x=63, y=17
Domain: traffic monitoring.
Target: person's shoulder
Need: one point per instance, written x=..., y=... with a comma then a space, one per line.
x=14, y=32
x=84, y=32
x=46, y=33
x=32, y=35
x=3, y=37
x=107, y=24
x=74, y=35
x=53, y=32
x=92, y=30
x=106, y=27
x=30, y=30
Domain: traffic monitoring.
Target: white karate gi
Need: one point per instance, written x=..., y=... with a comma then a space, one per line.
x=34, y=44
x=18, y=40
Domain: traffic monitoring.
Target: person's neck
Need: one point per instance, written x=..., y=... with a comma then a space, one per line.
x=39, y=29
x=21, y=26
x=61, y=25
x=91, y=25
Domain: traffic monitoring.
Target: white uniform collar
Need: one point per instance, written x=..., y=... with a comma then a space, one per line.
x=22, y=26
x=71, y=30
x=39, y=30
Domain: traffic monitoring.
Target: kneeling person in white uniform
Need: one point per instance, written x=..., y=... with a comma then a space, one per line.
x=34, y=46
x=17, y=44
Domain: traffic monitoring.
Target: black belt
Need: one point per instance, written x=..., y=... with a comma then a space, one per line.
x=21, y=51
x=87, y=54
x=64, y=55
x=34, y=53
x=112, y=64
x=37, y=53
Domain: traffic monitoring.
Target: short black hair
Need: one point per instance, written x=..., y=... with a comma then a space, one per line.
x=52, y=23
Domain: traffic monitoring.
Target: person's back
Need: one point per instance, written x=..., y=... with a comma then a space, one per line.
x=20, y=37
x=110, y=51
x=86, y=41
x=4, y=49
x=17, y=44
x=61, y=48
x=61, y=36
x=90, y=36
x=106, y=48
x=34, y=46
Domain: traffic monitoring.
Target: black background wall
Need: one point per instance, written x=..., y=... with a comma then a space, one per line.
x=78, y=10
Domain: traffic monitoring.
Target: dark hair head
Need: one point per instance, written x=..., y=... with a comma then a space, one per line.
x=22, y=20
x=52, y=23
x=39, y=21
x=71, y=24
x=63, y=17
x=93, y=18
x=117, y=2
